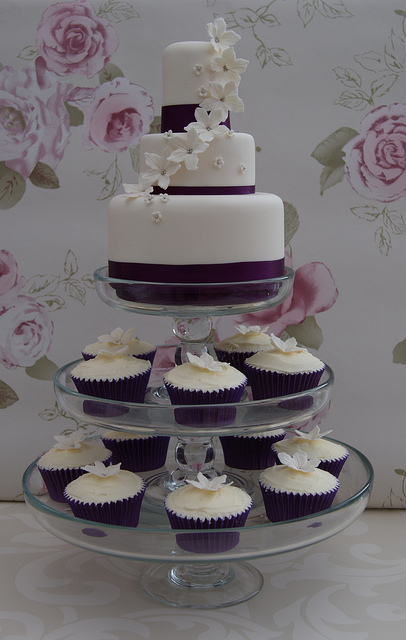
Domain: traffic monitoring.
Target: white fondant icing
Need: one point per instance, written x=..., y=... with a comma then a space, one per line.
x=197, y=230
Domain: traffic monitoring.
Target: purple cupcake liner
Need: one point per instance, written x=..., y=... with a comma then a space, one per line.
x=280, y=506
x=207, y=542
x=138, y=454
x=271, y=384
x=200, y=416
x=57, y=479
x=148, y=355
x=123, y=513
x=249, y=452
x=131, y=389
x=235, y=358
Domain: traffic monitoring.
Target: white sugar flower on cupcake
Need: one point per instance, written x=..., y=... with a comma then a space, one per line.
x=297, y=487
x=106, y=494
x=332, y=455
x=285, y=368
x=64, y=461
x=207, y=504
x=116, y=340
x=241, y=345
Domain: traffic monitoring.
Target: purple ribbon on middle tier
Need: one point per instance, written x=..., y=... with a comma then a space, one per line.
x=176, y=117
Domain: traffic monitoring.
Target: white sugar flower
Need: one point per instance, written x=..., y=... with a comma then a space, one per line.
x=314, y=434
x=205, y=361
x=149, y=198
x=156, y=216
x=119, y=336
x=186, y=149
x=299, y=461
x=164, y=197
x=101, y=470
x=228, y=67
x=109, y=350
x=143, y=188
x=218, y=162
x=243, y=167
x=252, y=329
x=207, y=124
x=168, y=134
x=202, y=92
x=209, y=484
x=223, y=96
x=287, y=346
x=161, y=167
x=220, y=38
x=71, y=441
x=198, y=69
x=231, y=133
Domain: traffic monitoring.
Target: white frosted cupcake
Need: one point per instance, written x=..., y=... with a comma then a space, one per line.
x=243, y=344
x=296, y=487
x=136, y=453
x=282, y=370
x=332, y=455
x=113, y=375
x=106, y=494
x=64, y=461
x=207, y=504
x=204, y=380
x=251, y=451
x=116, y=340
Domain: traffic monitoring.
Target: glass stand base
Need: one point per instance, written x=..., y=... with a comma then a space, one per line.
x=202, y=586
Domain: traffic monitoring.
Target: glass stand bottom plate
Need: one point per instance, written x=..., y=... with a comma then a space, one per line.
x=202, y=586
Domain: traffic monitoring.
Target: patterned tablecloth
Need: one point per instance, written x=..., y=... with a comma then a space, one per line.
x=349, y=587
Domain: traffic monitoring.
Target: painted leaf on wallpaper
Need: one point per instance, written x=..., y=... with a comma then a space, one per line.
x=43, y=176
x=7, y=395
x=110, y=72
x=12, y=187
x=43, y=369
x=75, y=115
x=399, y=353
x=307, y=333
x=291, y=222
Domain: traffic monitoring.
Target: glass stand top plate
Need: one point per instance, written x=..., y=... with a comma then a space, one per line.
x=193, y=299
x=153, y=539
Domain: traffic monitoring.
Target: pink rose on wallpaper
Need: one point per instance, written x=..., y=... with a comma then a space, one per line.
x=120, y=113
x=314, y=291
x=26, y=332
x=71, y=38
x=375, y=160
x=34, y=124
x=10, y=282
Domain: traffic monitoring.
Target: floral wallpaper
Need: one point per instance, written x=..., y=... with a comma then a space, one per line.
x=72, y=88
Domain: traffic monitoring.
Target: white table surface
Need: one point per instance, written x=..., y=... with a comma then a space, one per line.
x=349, y=587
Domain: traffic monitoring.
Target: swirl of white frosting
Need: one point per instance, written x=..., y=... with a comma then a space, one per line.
x=105, y=368
x=96, y=489
x=190, y=502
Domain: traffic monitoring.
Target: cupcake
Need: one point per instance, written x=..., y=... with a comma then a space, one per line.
x=282, y=370
x=64, y=461
x=136, y=453
x=296, y=487
x=253, y=451
x=207, y=504
x=200, y=381
x=117, y=339
x=113, y=375
x=332, y=455
x=240, y=346
x=106, y=494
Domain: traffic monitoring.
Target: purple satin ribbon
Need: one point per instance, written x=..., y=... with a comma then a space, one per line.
x=189, y=274
x=207, y=191
x=176, y=117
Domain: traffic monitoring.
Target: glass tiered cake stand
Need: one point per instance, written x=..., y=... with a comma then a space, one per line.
x=193, y=578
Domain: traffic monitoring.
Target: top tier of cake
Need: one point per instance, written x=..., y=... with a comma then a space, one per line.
x=186, y=75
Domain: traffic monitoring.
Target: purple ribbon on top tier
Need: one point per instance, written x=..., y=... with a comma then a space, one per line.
x=176, y=117
x=204, y=190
